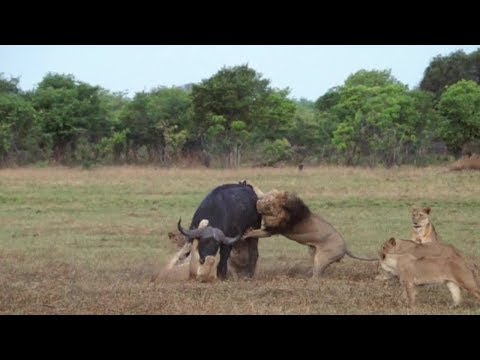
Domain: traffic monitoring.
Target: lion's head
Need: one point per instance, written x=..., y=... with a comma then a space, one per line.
x=271, y=203
x=281, y=210
x=420, y=217
x=396, y=246
x=388, y=247
x=177, y=239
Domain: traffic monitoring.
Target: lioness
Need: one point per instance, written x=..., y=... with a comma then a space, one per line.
x=237, y=262
x=185, y=264
x=393, y=247
x=177, y=239
x=430, y=264
x=423, y=230
x=286, y=214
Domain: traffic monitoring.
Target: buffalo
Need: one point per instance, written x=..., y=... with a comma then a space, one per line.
x=232, y=209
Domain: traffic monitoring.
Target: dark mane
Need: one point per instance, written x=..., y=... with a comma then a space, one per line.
x=297, y=209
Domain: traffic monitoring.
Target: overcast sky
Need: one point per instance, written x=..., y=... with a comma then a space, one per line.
x=309, y=71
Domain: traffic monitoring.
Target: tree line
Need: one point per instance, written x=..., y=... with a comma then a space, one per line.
x=236, y=117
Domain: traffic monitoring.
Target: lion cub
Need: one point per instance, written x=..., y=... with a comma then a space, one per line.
x=423, y=230
x=431, y=263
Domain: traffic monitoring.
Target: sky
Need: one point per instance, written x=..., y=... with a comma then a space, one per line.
x=308, y=70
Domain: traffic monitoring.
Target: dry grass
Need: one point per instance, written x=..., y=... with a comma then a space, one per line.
x=74, y=241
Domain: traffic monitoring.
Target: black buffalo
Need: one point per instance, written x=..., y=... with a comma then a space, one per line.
x=232, y=209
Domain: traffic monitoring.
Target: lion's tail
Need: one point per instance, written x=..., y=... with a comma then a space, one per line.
x=360, y=258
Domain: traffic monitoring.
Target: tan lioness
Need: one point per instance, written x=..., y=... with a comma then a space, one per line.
x=237, y=261
x=423, y=230
x=431, y=263
x=394, y=247
x=185, y=264
x=286, y=214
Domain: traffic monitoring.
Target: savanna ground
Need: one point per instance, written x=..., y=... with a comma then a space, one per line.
x=76, y=241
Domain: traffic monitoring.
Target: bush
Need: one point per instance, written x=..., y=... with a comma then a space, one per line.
x=276, y=151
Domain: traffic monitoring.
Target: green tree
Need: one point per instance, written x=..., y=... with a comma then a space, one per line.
x=444, y=71
x=113, y=146
x=69, y=110
x=9, y=85
x=114, y=103
x=306, y=134
x=371, y=78
x=158, y=120
x=20, y=134
x=275, y=151
x=328, y=100
x=237, y=106
x=377, y=119
x=459, y=107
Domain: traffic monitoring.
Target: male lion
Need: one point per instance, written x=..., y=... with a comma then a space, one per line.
x=423, y=230
x=286, y=214
x=430, y=264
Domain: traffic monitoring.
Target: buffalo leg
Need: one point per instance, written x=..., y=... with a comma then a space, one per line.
x=252, y=256
x=222, y=265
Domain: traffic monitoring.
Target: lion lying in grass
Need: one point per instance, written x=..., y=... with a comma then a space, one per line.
x=286, y=214
x=467, y=162
x=431, y=263
x=423, y=230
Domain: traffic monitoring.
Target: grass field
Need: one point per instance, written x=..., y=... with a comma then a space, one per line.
x=76, y=241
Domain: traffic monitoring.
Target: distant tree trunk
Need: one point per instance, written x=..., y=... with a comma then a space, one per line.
x=239, y=156
x=150, y=153
x=59, y=151
x=207, y=159
x=135, y=153
x=127, y=152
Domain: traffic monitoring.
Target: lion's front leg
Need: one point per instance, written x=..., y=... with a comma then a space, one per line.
x=257, y=233
x=180, y=255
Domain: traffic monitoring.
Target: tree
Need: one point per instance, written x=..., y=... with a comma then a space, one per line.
x=69, y=110
x=306, y=135
x=371, y=78
x=377, y=119
x=444, y=71
x=20, y=135
x=9, y=85
x=158, y=120
x=113, y=146
x=171, y=111
x=275, y=151
x=328, y=100
x=237, y=106
x=459, y=107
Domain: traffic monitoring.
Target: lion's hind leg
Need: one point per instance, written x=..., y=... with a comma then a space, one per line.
x=466, y=279
x=472, y=287
x=455, y=292
x=411, y=293
x=322, y=259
